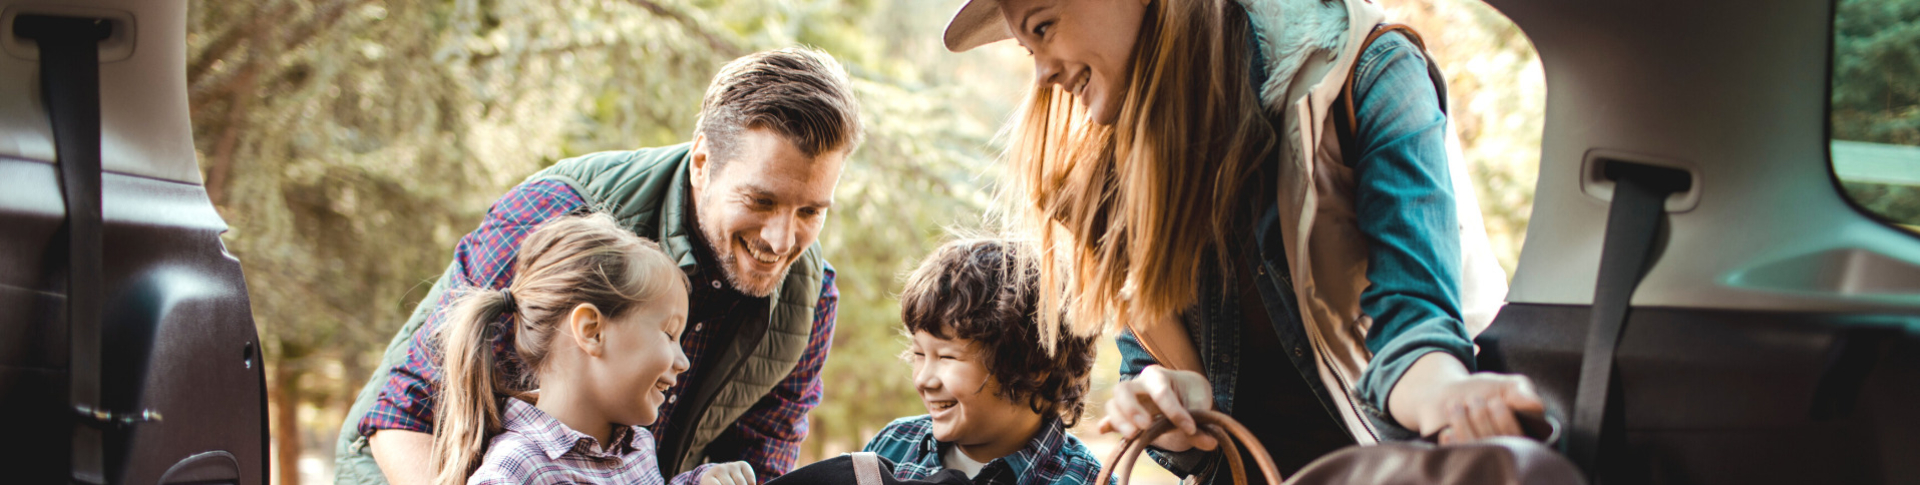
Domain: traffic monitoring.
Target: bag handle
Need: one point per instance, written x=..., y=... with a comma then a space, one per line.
x=1222, y=427
x=866, y=468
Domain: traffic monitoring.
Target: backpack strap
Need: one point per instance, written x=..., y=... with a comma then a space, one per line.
x=1345, y=117
x=866, y=468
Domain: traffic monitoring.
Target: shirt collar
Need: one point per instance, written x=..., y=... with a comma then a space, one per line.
x=556, y=439
x=1044, y=447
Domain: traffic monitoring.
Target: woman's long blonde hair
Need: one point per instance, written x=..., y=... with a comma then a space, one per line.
x=565, y=263
x=1126, y=213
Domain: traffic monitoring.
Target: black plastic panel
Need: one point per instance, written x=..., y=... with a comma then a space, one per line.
x=176, y=327
x=1719, y=396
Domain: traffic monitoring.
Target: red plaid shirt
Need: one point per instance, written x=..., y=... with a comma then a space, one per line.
x=772, y=428
x=537, y=449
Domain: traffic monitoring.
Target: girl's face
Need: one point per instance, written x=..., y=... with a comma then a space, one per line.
x=641, y=359
x=960, y=394
x=1084, y=46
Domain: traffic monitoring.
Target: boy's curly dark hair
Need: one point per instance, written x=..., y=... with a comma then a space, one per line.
x=984, y=290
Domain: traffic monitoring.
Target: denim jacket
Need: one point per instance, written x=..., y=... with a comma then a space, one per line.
x=1403, y=205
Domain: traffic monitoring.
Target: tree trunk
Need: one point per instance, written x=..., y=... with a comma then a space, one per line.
x=285, y=399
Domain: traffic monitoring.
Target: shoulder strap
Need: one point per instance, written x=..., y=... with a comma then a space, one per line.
x=1345, y=117
x=866, y=468
x=70, y=83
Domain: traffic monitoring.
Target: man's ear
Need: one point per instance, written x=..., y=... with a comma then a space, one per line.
x=702, y=153
x=585, y=325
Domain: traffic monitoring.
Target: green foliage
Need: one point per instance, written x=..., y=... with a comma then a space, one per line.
x=1897, y=203
x=1876, y=92
x=350, y=143
x=1876, y=71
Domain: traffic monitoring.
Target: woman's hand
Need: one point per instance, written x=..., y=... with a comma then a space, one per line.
x=1442, y=397
x=1158, y=391
x=729, y=473
x=1482, y=405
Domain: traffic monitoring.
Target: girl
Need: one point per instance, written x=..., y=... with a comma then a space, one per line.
x=1259, y=193
x=599, y=313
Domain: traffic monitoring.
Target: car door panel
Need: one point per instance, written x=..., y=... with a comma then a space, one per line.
x=1704, y=395
x=178, y=336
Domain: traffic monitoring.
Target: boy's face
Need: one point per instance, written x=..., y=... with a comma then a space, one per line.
x=960, y=393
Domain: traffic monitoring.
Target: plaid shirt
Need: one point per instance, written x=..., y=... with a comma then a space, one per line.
x=1051, y=457
x=772, y=429
x=538, y=449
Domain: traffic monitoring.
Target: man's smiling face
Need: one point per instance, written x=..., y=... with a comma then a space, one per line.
x=761, y=206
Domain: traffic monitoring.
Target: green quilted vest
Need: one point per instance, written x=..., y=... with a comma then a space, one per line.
x=646, y=191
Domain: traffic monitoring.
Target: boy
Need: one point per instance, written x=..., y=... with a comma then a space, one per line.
x=999, y=403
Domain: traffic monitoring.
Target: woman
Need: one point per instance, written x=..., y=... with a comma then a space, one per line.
x=1180, y=161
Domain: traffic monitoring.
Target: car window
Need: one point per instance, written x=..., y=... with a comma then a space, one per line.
x=1875, y=113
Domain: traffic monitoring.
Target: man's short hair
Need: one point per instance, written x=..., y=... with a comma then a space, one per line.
x=984, y=290
x=801, y=93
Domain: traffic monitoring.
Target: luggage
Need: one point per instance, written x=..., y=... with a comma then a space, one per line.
x=1506, y=460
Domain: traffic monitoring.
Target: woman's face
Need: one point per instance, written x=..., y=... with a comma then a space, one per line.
x=1084, y=46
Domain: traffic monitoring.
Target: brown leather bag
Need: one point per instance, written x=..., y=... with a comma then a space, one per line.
x=1505, y=460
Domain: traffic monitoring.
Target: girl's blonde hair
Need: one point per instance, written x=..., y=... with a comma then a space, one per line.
x=1125, y=213
x=565, y=263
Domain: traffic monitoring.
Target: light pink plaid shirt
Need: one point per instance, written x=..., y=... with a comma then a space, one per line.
x=537, y=449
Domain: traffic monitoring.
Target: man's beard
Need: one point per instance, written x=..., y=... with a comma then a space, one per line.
x=727, y=268
x=728, y=258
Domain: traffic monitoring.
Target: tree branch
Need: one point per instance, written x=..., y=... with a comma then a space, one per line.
x=202, y=90
x=714, y=41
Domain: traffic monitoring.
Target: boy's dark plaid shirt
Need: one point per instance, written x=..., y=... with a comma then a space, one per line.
x=773, y=428
x=1051, y=457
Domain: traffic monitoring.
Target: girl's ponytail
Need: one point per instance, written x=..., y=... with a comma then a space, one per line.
x=467, y=412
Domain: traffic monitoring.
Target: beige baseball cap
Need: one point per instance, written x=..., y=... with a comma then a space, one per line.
x=976, y=24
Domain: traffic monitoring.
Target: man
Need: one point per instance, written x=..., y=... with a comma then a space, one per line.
x=739, y=207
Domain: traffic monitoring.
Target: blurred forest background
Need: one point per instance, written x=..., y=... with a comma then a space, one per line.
x=350, y=143
x=1876, y=106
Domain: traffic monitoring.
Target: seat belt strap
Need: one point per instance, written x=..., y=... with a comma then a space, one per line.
x=70, y=86
x=1633, y=223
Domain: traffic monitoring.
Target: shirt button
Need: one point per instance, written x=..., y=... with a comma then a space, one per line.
x=716, y=284
x=698, y=326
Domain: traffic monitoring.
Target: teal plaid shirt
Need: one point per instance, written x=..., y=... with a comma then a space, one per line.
x=1051, y=457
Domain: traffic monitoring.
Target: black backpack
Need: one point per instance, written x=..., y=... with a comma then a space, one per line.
x=863, y=468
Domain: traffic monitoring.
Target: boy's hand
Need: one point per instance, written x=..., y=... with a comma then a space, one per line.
x=729, y=473
x=1157, y=391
